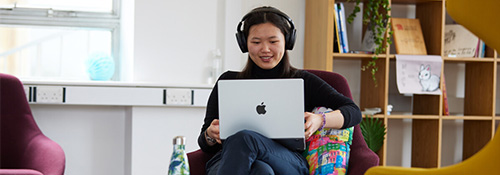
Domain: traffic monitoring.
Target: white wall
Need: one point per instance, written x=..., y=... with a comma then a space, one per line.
x=93, y=138
x=153, y=129
x=174, y=40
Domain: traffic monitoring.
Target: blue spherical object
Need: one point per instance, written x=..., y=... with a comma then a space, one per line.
x=100, y=67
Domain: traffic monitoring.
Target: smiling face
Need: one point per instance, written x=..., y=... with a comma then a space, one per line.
x=266, y=45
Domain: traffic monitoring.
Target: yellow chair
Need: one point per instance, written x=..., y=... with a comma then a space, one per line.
x=486, y=161
x=479, y=17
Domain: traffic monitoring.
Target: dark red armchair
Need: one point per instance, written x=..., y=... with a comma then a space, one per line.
x=361, y=158
x=23, y=147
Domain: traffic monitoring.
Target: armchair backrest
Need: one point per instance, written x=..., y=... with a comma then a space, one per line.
x=23, y=145
x=361, y=157
x=337, y=81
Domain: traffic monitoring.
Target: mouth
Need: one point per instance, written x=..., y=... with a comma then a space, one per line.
x=266, y=58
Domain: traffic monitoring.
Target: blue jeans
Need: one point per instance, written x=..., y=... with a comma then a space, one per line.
x=248, y=152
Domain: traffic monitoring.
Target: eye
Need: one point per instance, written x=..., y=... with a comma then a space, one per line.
x=272, y=42
x=255, y=42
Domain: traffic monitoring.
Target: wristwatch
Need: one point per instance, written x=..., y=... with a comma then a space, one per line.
x=210, y=139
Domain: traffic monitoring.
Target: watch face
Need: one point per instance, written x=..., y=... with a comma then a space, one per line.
x=211, y=140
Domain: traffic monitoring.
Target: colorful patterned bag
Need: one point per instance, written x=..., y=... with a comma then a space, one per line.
x=327, y=151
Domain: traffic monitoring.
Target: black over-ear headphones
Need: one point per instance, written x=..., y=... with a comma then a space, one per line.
x=289, y=37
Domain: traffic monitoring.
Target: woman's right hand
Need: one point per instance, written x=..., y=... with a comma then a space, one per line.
x=213, y=132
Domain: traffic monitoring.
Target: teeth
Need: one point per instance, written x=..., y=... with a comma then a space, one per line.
x=265, y=58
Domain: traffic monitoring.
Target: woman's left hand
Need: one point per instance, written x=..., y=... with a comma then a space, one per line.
x=313, y=123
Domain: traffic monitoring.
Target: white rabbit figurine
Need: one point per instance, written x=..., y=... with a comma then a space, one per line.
x=428, y=81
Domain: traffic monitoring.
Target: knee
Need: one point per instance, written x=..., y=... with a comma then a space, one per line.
x=261, y=168
x=243, y=137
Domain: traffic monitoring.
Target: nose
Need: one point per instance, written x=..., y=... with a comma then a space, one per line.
x=265, y=47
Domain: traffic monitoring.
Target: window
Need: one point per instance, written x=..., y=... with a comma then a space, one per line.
x=60, y=39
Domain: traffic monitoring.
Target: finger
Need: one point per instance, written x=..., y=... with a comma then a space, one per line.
x=308, y=124
x=217, y=138
x=308, y=134
x=215, y=122
x=307, y=114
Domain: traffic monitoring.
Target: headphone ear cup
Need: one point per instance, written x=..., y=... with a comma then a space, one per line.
x=242, y=41
x=290, y=40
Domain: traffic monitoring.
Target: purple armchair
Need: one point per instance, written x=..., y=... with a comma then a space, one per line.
x=361, y=158
x=23, y=147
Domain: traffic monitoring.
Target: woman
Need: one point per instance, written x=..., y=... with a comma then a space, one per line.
x=267, y=34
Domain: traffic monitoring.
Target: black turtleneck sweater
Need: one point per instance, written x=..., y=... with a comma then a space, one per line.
x=317, y=93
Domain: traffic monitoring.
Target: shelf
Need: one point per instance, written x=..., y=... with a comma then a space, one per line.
x=353, y=56
x=400, y=116
x=413, y=1
x=375, y=116
x=450, y=59
x=467, y=118
x=413, y=117
x=400, y=1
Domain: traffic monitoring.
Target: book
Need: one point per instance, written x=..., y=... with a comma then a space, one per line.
x=342, y=26
x=337, y=42
x=408, y=36
x=446, y=111
x=476, y=53
x=481, y=49
x=460, y=42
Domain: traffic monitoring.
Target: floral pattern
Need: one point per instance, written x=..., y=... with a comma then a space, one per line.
x=327, y=151
x=178, y=163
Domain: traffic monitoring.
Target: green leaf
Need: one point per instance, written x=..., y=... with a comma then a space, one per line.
x=373, y=131
x=377, y=23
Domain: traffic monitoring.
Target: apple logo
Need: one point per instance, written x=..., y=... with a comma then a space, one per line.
x=261, y=109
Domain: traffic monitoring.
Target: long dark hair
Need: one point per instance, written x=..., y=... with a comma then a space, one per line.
x=259, y=16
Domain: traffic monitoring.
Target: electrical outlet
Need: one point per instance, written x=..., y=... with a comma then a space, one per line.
x=178, y=96
x=49, y=94
x=27, y=92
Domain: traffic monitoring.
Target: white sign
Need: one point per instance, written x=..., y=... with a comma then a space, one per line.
x=418, y=74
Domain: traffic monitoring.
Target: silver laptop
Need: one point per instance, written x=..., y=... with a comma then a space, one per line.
x=271, y=107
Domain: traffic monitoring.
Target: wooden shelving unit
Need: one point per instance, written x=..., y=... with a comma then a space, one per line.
x=479, y=115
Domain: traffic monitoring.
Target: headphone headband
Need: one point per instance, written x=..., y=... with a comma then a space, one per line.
x=289, y=37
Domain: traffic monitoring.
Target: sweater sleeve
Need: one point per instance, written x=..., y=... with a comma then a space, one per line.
x=319, y=93
x=212, y=112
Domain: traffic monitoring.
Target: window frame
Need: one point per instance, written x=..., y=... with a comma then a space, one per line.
x=47, y=17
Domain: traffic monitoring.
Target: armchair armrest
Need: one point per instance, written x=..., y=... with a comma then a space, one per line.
x=45, y=155
x=19, y=172
x=197, y=161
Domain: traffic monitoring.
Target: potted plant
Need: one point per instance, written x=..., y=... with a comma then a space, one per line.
x=373, y=130
x=376, y=18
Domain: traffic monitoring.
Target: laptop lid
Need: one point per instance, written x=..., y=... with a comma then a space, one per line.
x=271, y=107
